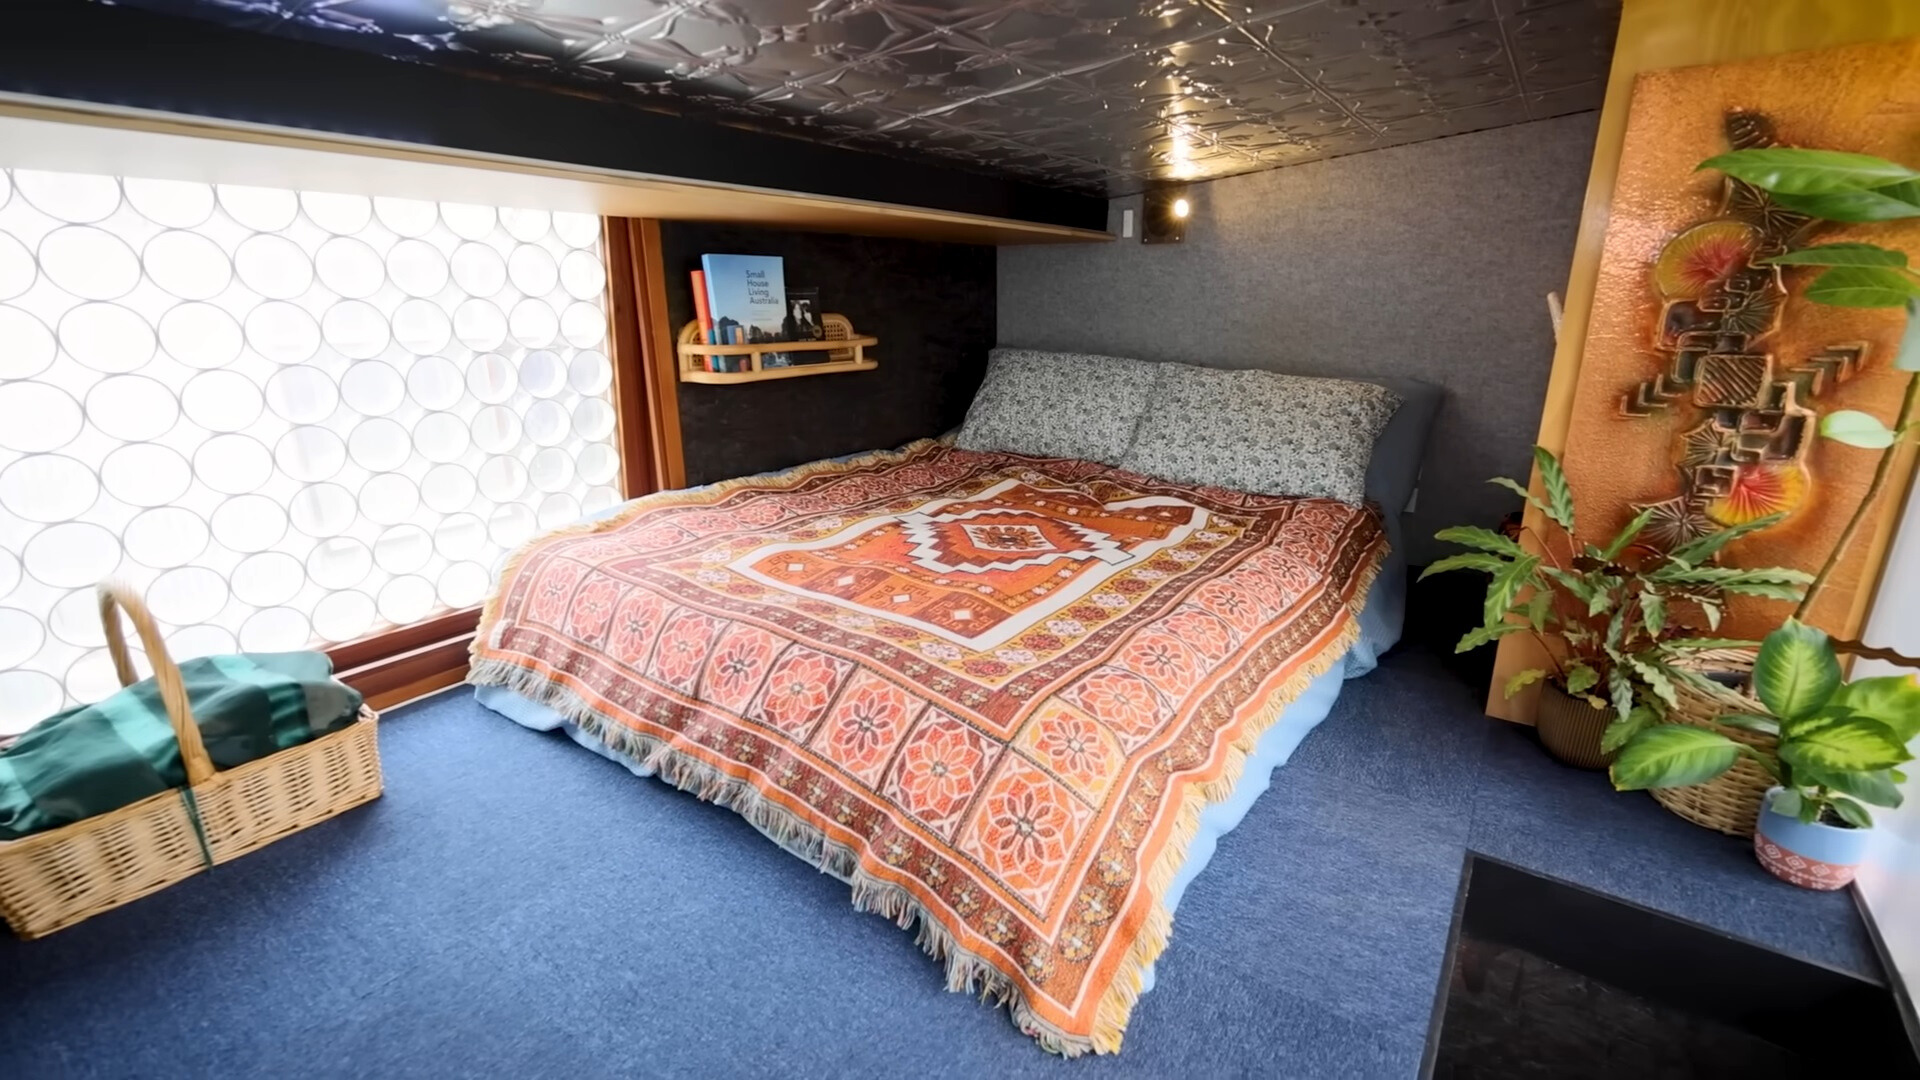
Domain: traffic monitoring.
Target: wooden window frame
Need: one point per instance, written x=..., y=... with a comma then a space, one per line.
x=407, y=662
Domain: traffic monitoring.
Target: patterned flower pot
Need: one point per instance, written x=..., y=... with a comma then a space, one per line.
x=1570, y=728
x=1815, y=856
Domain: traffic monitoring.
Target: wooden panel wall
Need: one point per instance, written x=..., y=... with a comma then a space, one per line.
x=1657, y=34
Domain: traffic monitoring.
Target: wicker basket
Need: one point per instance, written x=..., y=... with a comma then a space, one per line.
x=1729, y=802
x=52, y=880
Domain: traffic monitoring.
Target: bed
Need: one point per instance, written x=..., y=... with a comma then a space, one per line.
x=1014, y=698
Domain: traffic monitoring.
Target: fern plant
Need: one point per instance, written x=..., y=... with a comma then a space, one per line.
x=1615, y=620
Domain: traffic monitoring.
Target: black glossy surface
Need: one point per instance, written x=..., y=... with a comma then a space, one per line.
x=1090, y=94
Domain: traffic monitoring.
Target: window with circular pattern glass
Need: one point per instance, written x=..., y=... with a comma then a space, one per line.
x=287, y=418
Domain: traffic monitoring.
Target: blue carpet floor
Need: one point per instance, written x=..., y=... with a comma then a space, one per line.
x=516, y=906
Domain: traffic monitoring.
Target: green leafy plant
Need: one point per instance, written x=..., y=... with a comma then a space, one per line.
x=1832, y=186
x=1613, y=619
x=1839, y=743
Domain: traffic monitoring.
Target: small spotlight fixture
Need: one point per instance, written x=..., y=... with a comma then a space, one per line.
x=1166, y=213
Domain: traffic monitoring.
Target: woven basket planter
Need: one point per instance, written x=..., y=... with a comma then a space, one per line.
x=52, y=880
x=1731, y=801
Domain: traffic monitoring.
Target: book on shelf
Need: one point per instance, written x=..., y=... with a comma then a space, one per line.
x=747, y=300
x=802, y=323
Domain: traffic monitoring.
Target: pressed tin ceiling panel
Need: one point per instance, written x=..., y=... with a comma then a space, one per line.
x=1092, y=95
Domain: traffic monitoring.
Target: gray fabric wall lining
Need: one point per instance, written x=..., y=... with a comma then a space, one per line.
x=1431, y=260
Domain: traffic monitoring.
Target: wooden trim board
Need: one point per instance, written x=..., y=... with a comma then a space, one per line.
x=58, y=134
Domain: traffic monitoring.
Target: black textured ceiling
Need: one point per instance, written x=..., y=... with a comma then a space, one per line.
x=1093, y=95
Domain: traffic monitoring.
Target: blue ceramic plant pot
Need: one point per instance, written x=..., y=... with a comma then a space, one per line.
x=1812, y=856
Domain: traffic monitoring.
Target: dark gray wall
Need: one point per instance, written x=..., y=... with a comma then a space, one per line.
x=931, y=305
x=1431, y=260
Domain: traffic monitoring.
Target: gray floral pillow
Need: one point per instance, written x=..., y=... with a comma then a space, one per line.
x=1260, y=431
x=1055, y=404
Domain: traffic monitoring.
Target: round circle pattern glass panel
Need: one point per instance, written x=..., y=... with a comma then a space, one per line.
x=408, y=217
x=341, y=215
x=283, y=333
x=200, y=335
x=90, y=263
x=145, y=474
x=349, y=268
x=30, y=345
x=273, y=266
x=48, y=488
x=175, y=204
x=106, y=337
x=36, y=417
x=132, y=408
x=417, y=267
x=263, y=210
x=188, y=265
x=166, y=536
x=72, y=554
x=77, y=198
x=17, y=271
x=283, y=417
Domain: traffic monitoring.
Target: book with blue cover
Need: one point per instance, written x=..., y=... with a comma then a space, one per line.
x=747, y=297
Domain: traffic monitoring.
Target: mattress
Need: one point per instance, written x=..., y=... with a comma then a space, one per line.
x=1380, y=627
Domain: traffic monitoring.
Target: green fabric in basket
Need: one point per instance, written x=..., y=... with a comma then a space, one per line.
x=97, y=758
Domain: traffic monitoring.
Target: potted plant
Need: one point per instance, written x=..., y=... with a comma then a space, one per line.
x=1615, y=622
x=1839, y=747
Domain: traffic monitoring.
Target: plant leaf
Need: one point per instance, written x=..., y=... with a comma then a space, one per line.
x=1863, y=287
x=1908, y=358
x=1481, y=635
x=1672, y=755
x=1713, y=611
x=1559, y=492
x=1521, y=490
x=1798, y=171
x=1876, y=786
x=1656, y=680
x=1894, y=700
x=1766, y=590
x=1468, y=560
x=1620, y=688
x=1709, y=643
x=1506, y=585
x=1480, y=539
x=1796, y=671
x=1539, y=613
x=1695, y=552
x=1580, y=678
x=1853, y=813
x=1840, y=255
x=1620, y=732
x=1855, y=428
x=1832, y=743
x=1653, y=612
x=1619, y=543
x=1524, y=679
x=1723, y=576
x=1766, y=725
x=1889, y=203
x=1787, y=802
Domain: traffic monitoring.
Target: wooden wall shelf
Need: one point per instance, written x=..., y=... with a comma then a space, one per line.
x=845, y=351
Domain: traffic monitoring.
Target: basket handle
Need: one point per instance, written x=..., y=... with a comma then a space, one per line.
x=166, y=674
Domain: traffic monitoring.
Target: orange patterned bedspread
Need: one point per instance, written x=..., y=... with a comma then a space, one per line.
x=992, y=692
